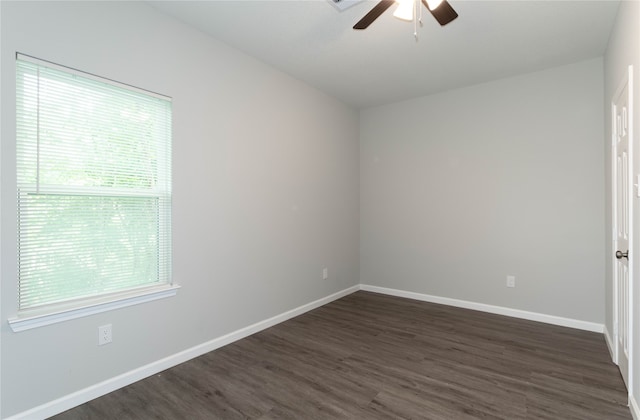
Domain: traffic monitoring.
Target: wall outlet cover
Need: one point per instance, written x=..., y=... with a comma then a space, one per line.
x=104, y=335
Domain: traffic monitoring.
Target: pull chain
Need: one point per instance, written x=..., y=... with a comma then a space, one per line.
x=417, y=20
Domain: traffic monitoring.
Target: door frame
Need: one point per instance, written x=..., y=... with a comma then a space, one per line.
x=633, y=192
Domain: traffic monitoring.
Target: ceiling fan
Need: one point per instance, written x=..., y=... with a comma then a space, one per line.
x=441, y=11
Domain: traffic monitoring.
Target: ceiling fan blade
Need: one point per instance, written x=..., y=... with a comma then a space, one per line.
x=443, y=13
x=373, y=14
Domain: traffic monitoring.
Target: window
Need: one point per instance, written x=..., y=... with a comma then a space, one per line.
x=94, y=187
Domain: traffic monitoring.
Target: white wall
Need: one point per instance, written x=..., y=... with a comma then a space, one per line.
x=624, y=50
x=265, y=192
x=461, y=189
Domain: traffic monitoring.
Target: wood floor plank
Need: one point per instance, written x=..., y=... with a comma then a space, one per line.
x=371, y=356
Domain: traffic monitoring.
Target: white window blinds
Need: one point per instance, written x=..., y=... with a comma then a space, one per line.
x=94, y=185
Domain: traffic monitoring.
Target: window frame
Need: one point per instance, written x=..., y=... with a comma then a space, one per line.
x=50, y=313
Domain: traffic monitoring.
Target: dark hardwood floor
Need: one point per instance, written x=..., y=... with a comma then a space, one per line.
x=370, y=356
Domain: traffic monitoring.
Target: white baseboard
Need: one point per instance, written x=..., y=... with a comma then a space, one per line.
x=500, y=310
x=609, y=340
x=633, y=407
x=80, y=397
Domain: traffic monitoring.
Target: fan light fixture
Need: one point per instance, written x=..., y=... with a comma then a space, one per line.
x=405, y=8
x=404, y=11
x=410, y=10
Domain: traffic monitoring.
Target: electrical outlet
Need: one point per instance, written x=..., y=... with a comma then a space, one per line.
x=104, y=335
x=511, y=281
x=325, y=273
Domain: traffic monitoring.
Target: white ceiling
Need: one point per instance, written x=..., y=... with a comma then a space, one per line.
x=314, y=42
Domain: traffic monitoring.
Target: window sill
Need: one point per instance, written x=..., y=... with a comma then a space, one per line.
x=60, y=313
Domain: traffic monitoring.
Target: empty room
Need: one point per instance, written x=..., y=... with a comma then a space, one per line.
x=320, y=209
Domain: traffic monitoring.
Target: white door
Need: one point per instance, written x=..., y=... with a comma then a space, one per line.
x=621, y=216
